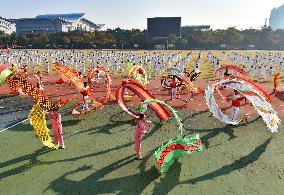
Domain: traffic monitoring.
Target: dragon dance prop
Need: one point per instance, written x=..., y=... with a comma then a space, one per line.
x=250, y=91
x=3, y=67
x=143, y=94
x=14, y=68
x=183, y=82
x=69, y=75
x=237, y=70
x=167, y=79
x=139, y=74
x=128, y=65
x=190, y=85
x=19, y=83
x=169, y=75
x=107, y=79
x=94, y=103
x=174, y=149
x=4, y=75
x=38, y=122
x=256, y=86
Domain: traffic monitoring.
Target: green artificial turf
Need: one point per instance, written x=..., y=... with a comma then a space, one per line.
x=99, y=158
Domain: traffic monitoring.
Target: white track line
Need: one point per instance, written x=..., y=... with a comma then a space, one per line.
x=14, y=125
x=23, y=121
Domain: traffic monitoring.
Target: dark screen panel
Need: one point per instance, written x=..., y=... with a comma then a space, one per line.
x=162, y=27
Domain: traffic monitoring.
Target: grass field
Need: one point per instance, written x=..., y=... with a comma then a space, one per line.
x=99, y=158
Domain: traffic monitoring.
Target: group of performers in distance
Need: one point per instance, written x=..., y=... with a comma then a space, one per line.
x=157, y=62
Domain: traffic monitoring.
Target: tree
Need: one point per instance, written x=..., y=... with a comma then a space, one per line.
x=172, y=38
x=191, y=38
x=232, y=36
x=280, y=34
x=274, y=39
x=66, y=40
x=263, y=38
x=249, y=37
x=105, y=40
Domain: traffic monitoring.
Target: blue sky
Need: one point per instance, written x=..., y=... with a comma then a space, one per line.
x=133, y=13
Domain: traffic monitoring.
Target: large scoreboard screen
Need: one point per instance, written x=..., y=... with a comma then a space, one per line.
x=163, y=26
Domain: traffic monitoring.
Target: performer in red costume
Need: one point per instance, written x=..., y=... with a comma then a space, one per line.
x=86, y=91
x=236, y=99
x=276, y=78
x=25, y=70
x=173, y=86
x=56, y=127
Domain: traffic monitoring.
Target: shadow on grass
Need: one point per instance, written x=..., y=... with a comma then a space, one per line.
x=114, y=122
x=32, y=158
x=70, y=123
x=228, y=129
x=22, y=127
x=93, y=184
x=105, y=129
x=153, y=131
x=188, y=119
x=237, y=165
x=170, y=181
x=156, y=127
x=32, y=162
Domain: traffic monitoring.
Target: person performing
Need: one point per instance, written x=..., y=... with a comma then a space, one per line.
x=236, y=99
x=55, y=117
x=192, y=91
x=226, y=74
x=25, y=70
x=173, y=86
x=139, y=133
x=276, y=78
x=86, y=91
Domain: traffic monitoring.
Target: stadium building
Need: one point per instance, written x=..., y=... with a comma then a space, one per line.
x=276, y=20
x=6, y=26
x=55, y=23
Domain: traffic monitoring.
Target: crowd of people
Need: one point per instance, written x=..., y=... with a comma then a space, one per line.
x=115, y=61
x=259, y=66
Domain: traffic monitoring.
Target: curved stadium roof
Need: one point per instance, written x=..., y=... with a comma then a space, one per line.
x=68, y=17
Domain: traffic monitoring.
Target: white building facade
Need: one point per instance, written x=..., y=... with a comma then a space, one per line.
x=56, y=23
x=6, y=26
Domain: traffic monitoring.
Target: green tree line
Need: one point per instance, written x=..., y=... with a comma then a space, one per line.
x=191, y=38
